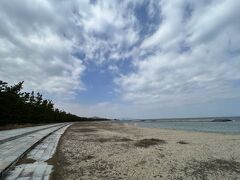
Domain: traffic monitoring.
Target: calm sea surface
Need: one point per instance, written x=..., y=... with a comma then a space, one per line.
x=200, y=124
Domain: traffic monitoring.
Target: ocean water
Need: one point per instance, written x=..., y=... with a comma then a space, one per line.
x=196, y=124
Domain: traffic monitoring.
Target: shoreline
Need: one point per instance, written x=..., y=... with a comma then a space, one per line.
x=112, y=150
x=182, y=130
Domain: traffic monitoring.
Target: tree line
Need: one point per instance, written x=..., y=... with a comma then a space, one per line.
x=17, y=107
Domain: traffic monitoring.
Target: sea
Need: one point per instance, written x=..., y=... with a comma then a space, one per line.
x=208, y=124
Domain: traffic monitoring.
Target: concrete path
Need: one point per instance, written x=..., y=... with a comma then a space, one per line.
x=12, y=150
x=38, y=168
x=10, y=134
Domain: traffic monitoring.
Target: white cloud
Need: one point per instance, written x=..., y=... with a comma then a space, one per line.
x=214, y=19
x=207, y=70
x=108, y=30
x=33, y=47
x=113, y=68
x=170, y=29
x=182, y=52
x=39, y=46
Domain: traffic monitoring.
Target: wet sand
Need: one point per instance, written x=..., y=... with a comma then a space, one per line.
x=108, y=150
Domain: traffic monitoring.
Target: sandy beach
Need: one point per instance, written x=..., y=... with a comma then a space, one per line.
x=109, y=150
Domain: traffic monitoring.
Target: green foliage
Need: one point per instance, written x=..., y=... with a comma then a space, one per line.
x=24, y=107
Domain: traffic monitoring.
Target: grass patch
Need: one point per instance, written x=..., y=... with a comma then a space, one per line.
x=149, y=142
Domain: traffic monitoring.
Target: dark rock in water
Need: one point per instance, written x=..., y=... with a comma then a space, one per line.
x=153, y=120
x=221, y=120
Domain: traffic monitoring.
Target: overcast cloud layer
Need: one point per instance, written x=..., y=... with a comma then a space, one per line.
x=139, y=58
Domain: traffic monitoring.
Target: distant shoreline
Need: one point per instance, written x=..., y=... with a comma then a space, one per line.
x=222, y=127
x=194, y=119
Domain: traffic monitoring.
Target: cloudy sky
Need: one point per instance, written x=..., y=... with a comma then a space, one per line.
x=138, y=59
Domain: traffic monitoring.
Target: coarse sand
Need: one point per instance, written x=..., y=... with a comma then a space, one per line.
x=111, y=150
